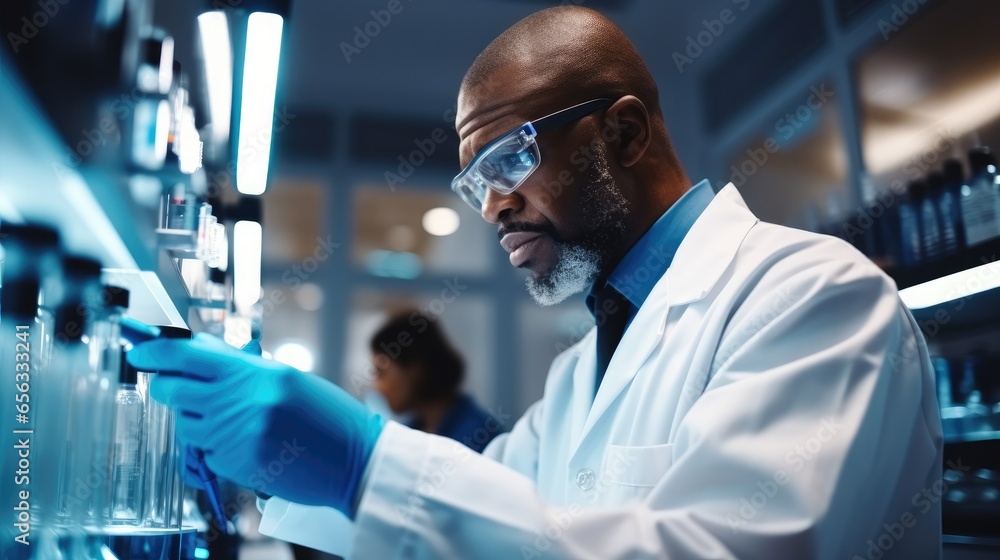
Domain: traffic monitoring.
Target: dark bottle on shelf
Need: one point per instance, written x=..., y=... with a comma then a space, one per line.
x=980, y=198
x=946, y=210
x=888, y=240
x=930, y=224
x=909, y=227
x=967, y=382
x=954, y=179
x=942, y=373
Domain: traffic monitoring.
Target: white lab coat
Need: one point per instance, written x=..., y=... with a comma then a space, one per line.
x=771, y=399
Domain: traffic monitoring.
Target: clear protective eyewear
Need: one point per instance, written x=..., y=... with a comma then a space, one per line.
x=505, y=163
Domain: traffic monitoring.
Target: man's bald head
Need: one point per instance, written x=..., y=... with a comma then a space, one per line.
x=602, y=179
x=562, y=56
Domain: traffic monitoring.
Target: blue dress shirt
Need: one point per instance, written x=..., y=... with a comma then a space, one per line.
x=467, y=423
x=641, y=268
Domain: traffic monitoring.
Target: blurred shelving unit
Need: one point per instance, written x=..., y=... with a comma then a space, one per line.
x=90, y=206
x=962, y=287
x=955, y=300
x=908, y=85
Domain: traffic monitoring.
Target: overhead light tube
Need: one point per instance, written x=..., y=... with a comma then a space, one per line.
x=217, y=52
x=260, y=81
x=953, y=286
x=247, y=245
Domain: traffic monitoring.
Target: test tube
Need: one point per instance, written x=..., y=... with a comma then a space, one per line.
x=92, y=412
x=163, y=487
x=206, y=221
x=45, y=245
x=129, y=453
x=177, y=209
x=81, y=278
x=32, y=270
x=218, y=246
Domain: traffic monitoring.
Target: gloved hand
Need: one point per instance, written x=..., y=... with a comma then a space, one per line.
x=261, y=423
x=193, y=457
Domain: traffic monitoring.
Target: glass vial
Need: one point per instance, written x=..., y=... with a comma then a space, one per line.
x=127, y=478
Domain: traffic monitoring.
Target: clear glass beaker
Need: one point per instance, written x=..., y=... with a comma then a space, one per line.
x=163, y=487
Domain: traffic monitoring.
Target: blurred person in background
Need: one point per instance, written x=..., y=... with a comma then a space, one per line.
x=420, y=374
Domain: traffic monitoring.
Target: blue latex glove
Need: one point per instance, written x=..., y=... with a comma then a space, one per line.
x=261, y=423
x=193, y=457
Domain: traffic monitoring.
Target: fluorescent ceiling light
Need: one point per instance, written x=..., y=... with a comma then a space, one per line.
x=953, y=286
x=217, y=52
x=190, y=142
x=260, y=80
x=309, y=296
x=441, y=221
x=930, y=125
x=247, y=244
x=166, y=73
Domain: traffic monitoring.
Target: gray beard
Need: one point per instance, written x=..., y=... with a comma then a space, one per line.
x=580, y=262
x=576, y=269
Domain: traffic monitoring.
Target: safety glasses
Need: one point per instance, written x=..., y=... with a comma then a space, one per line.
x=505, y=163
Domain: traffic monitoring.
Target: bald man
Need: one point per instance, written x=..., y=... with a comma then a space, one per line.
x=749, y=390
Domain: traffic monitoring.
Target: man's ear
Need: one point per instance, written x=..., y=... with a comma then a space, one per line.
x=627, y=130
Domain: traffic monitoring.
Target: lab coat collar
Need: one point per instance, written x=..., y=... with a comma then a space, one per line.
x=701, y=259
x=708, y=248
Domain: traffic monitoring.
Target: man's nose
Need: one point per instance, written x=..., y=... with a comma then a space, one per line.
x=496, y=205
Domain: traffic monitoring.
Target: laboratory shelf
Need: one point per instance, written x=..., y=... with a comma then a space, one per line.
x=42, y=181
x=984, y=453
x=960, y=317
x=970, y=437
x=956, y=279
x=39, y=182
x=971, y=257
x=127, y=531
x=122, y=531
x=149, y=300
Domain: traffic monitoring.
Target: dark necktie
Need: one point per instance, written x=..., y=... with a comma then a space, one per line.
x=611, y=311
